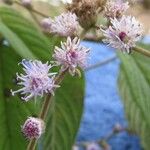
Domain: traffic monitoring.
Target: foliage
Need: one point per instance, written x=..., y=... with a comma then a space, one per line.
x=134, y=86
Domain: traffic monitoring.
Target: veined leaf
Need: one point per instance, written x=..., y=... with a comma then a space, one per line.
x=134, y=86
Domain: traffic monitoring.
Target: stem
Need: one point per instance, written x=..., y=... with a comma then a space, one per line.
x=83, y=33
x=45, y=107
x=101, y=63
x=142, y=51
x=47, y=102
x=32, y=9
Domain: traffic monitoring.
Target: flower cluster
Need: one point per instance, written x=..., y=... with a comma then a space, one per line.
x=36, y=81
x=71, y=55
x=33, y=128
x=64, y=25
x=123, y=33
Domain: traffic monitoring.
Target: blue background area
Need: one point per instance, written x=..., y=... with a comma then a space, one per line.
x=103, y=107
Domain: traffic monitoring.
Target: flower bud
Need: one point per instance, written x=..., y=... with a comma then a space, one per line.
x=45, y=24
x=33, y=128
x=26, y=3
x=87, y=11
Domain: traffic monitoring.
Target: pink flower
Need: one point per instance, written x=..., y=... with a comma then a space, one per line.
x=36, y=81
x=64, y=25
x=123, y=34
x=33, y=128
x=71, y=55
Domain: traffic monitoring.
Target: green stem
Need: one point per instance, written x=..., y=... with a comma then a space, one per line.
x=45, y=107
x=142, y=51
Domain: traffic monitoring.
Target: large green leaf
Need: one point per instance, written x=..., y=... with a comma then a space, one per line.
x=134, y=86
x=27, y=41
x=64, y=120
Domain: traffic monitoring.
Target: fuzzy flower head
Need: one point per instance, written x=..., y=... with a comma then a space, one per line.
x=115, y=9
x=36, y=81
x=123, y=34
x=33, y=128
x=71, y=55
x=64, y=25
x=93, y=146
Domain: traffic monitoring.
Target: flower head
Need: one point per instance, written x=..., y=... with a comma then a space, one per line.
x=115, y=9
x=64, y=25
x=71, y=55
x=93, y=146
x=37, y=79
x=124, y=33
x=87, y=11
x=33, y=128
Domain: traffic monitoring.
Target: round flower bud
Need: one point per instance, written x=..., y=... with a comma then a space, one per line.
x=45, y=24
x=26, y=3
x=33, y=128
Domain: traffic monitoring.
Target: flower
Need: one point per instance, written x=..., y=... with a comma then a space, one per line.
x=33, y=128
x=37, y=79
x=64, y=25
x=93, y=146
x=26, y=3
x=115, y=9
x=46, y=23
x=123, y=34
x=71, y=55
x=87, y=11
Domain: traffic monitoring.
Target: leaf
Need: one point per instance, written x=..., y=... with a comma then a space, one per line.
x=65, y=115
x=27, y=41
x=134, y=86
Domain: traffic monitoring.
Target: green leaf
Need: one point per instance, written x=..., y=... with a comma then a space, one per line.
x=65, y=115
x=27, y=41
x=134, y=86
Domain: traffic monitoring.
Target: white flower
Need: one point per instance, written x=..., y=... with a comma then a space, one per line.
x=36, y=81
x=93, y=146
x=115, y=9
x=64, y=25
x=124, y=33
x=71, y=55
x=33, y=128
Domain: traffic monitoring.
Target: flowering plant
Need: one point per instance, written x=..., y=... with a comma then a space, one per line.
x=43, y=103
